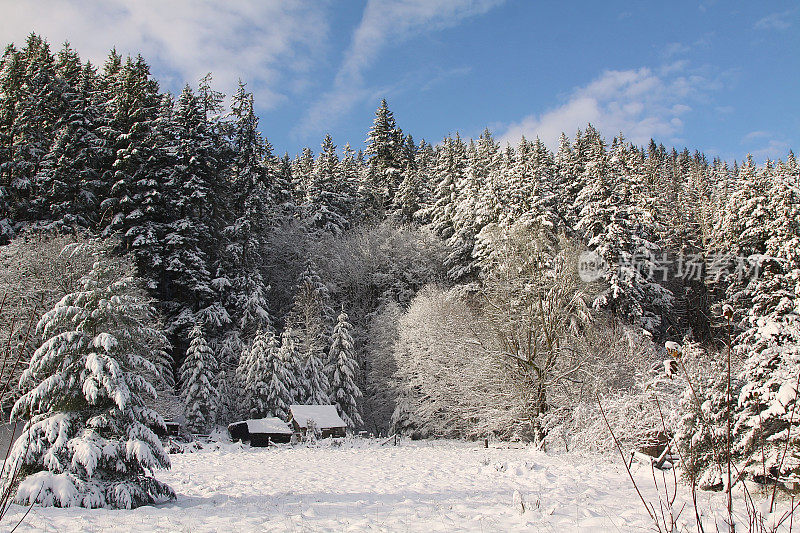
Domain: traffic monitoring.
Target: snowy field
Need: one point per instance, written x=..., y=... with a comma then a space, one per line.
x=362, y=486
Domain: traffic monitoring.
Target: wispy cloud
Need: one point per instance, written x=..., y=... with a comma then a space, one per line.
x=268, y=43
x=763, y=144
x=383, y=23
x=641, y=103
x=777, y=21
x=755, y=135
x=675, y=49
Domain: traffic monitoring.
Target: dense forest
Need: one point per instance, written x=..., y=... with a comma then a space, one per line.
x=458, y=289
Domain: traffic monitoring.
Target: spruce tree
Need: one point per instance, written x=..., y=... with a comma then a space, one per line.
x=767, y=425
x=198, y=375
x=326, y=206
x=70, y=178
x=385, y=153
x=88, y=438
x=249, y=204
x=263, y=373
x=290, y=357
x=342, y=369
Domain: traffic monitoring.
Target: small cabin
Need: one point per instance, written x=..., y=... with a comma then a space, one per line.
x=324, y=418
x=170, y=407
x=261, y=432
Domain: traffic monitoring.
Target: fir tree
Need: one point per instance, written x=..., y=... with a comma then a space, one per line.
x=250, y=204
x=767, y=423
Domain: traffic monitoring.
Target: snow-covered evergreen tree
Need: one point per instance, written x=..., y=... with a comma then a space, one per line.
x=198, y=374
x=290, y=356
x=342, y=370
x=767, y=421
x=384, y=173
x=327, y=204
x=264, y=377
x=250, y=205
x=316, y=384
x=88, y=439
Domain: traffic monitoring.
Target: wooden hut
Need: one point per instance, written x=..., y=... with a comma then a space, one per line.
x=324, y=418
x=261, y=431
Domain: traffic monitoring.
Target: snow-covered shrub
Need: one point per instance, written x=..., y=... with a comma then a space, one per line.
x=623, y=367
x=447, y=384
x=533, y=308
x=88, y=439
x=379, y=367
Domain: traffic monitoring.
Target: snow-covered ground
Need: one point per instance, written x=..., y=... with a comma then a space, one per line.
x=363, y=486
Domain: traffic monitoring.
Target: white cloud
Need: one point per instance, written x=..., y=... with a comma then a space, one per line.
x=755, y=135
x=383, y=23
x=765, y=145
x=641, y=103
x=268, y=43
x=675, y=49
x=776, y=21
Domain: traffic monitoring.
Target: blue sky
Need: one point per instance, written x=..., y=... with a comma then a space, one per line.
x=719, y=76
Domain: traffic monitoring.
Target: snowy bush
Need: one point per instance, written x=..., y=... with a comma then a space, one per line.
x=88, y=439
x=623, y=367
x=446, y=384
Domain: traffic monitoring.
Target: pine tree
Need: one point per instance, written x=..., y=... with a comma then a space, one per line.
x=198, y=375
x=342, y=369
x=450, y=163
x=89, y=437
x=309, y=320
x=292, y=362
x=11, y=75
x=326, y=206
x=38, y=106
x=131, y=110
x=190, y=252
x=316, y=381
x=279, y=381
x=611, y=226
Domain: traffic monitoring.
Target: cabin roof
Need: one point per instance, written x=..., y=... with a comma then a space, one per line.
x=268, y=425
x=324, y=416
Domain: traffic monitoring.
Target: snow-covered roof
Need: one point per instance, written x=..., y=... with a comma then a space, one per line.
x=268, y=425
x=324, y=416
